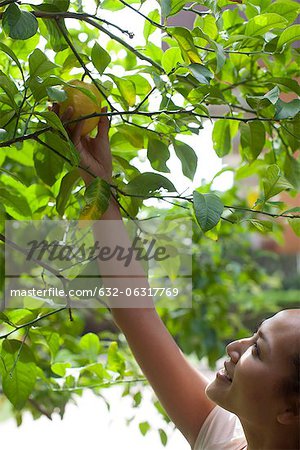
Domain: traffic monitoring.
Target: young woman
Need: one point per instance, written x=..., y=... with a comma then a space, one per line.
x=253, y=403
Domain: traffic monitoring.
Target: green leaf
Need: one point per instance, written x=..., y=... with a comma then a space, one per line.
x=176, y=6
x=53, y=339
x=293, y=133
x=291, y=85
x=39, y=64
x=263, y=23
x=201, y=73
x=287, y=110
x=56, y=95
x=163, y=437
x=222, y=137
x=57, y=40
x=127, y=89
x=171, y=59
x=158, y=154
x=292, y=170
x=262, y=101
x=47, y=164
x=19, y=24
x=165, y=8
x=18, y=371
x=285, y=8
x=185, y=41
x=54, y=5
x=4, y=135
x=66, y=187
x=15, y=203
x=187, y=157
x=8, y=87
x=97, y=197
x=100, y=58
x=53, y=121
x=98, y=370
x=60, y=368
x=144, y=427
x=289, y=35
x=8, y=172
x=90, y=345
x=208, y=209
x=20, y=316
x=292, y=210
x=137, y=399
x=220, y=55
x=295, y=225
x=132, y=135
x=112, y=5
x=274, y=182
x=263, y=226
x=148, y=27
x=115, y=361
x=39, y=87
x=253, y=137
x=147, y=183
x=13, y=56
x=62, y=147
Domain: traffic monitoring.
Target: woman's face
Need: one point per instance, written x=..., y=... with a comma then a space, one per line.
x=256, y=368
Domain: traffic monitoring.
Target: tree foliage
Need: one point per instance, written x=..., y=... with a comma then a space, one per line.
x=239, y=59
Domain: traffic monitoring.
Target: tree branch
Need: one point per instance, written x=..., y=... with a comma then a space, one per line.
x=174, y=112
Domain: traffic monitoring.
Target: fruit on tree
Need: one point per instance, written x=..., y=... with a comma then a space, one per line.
x=82, y=104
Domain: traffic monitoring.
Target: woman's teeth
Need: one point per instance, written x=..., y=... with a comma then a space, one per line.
x=226, y=374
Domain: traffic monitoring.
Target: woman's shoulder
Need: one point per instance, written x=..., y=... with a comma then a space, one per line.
x=221, y=430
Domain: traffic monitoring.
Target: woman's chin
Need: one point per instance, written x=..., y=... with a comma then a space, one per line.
x=215, y=390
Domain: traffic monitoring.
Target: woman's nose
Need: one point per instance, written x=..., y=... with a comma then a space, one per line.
x=236, y=349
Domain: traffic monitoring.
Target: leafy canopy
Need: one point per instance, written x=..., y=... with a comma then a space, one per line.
x=237, y=67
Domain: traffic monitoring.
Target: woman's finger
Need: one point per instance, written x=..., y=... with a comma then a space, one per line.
x=67, y=115
x=54, y=108
x=77, y=132
x=103, y=126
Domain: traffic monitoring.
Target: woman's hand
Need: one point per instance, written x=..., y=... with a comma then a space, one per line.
x=95, y=153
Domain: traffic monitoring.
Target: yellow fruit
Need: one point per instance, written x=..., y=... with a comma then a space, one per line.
x=82, y=104
x=252, y=198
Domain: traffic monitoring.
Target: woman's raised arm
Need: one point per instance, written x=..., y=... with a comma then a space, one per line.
x=178, y=385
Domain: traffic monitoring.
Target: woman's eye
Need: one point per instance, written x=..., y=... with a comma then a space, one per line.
x=255, y=350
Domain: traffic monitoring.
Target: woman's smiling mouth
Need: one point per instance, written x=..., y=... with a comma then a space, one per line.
x=224, y=375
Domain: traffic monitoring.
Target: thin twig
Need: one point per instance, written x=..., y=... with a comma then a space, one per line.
x=109, y=383
x=80, y=60
x=8, y=2
x=155, y=24
x=19, y=353
x=288, y=216
x=32, y=322
x=238, y=52
x=124, y=44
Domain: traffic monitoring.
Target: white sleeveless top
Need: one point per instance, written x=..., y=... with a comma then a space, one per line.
x=221, y=430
